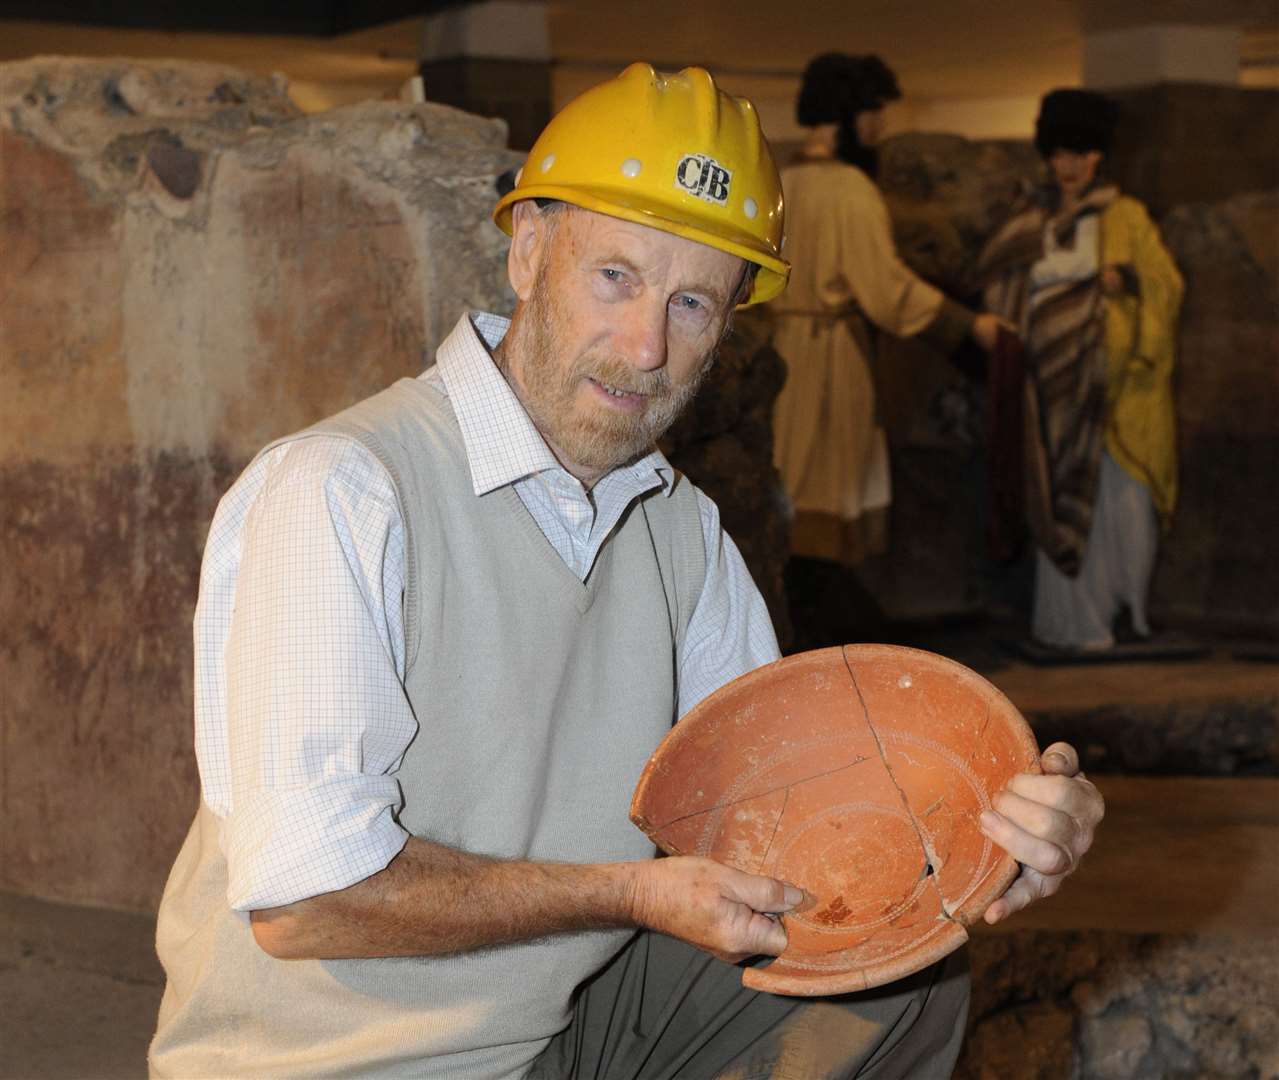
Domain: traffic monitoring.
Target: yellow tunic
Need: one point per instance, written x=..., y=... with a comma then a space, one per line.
x=1140, y=345
x=831, y=454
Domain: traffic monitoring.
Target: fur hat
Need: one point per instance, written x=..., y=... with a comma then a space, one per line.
x=837, y=87
x=1077, y=120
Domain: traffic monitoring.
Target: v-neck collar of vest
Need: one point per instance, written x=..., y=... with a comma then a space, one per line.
x=544, y=550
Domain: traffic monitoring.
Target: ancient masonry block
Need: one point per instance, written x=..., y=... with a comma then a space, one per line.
x=190, y=269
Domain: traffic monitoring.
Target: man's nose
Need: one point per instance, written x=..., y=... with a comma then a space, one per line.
x=641, y=334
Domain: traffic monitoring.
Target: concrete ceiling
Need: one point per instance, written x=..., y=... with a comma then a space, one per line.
x=320, y=18
x=970, y=66
x=949, y=54
x=950, y=49
x=937, y=49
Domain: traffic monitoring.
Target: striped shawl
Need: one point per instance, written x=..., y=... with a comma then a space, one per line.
x=1065, y=388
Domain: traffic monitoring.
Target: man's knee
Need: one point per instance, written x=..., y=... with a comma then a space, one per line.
x=930, y=1034
x=912, y=1029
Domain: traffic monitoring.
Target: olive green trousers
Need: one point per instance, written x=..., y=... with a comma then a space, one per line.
x=662, y=1009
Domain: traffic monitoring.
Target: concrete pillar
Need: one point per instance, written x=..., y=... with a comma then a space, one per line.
x=492, y=58
x=1145, y=55
x=1188, y=131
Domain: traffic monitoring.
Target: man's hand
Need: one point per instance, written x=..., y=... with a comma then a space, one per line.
x=1046, y=823
x=718, y=909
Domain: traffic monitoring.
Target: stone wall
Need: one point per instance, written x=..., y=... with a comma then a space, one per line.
x=1183, y=143
x=1217, y=567
x=190, y=269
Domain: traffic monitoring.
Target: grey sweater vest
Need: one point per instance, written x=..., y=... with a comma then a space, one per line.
x=538, y=698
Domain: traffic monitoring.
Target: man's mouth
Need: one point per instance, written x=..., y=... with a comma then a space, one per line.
x=620, y=394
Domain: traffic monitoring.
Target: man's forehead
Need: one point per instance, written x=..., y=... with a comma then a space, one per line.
x=603, y=231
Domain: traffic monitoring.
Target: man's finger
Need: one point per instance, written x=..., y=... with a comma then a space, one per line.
x=764, y=894
x=1060, y=759
x=1073, y=795
x=766, y=937
x=1040, y=854
x=1037, y=817
x=1024, y=891
x=1057, y=792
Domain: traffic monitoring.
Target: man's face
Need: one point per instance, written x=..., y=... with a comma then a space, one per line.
x=870, y=126
x=617, y=325
x=1074, y=171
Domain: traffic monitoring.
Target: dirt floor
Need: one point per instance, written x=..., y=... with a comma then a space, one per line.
x=79, y=991
x=79, y=988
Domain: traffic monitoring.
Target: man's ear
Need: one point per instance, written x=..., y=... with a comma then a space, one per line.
x=529, y=229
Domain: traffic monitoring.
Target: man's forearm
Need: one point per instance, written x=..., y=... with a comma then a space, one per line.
x=433, y=899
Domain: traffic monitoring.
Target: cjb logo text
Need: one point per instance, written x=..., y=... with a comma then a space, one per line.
x=704, y=177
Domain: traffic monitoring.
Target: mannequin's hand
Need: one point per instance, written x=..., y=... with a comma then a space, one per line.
x=986, y=329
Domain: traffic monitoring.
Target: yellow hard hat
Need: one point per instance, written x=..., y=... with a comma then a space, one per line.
x=673, y=152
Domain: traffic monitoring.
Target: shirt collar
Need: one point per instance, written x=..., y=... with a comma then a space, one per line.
x=502, y=443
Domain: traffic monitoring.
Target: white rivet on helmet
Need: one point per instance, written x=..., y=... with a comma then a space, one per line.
x=631, y=167
x=750, y=208
x=547, y=162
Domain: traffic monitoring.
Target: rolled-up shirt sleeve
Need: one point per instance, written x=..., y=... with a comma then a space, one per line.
x=316, y=717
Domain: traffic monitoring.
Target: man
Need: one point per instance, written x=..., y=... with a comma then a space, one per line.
x=439, y=635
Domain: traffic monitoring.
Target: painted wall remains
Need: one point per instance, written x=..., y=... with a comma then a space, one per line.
x=190, y=269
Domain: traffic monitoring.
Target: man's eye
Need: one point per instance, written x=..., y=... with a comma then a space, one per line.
x=688, y=303
x=611, y=274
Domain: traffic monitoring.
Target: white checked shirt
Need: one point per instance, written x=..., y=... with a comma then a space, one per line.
x=300, y=712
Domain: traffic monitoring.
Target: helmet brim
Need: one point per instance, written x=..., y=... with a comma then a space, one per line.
x=627, y=205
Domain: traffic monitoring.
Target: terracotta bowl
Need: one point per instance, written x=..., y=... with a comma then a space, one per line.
x=858, y=774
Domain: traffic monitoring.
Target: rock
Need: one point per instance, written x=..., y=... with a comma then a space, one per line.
x=85, y=108
x=1116, y=1046
x=1139, y=1006
x=724, y=443
x=1030, y=1041
x=947, y=194
x=1227, y=737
